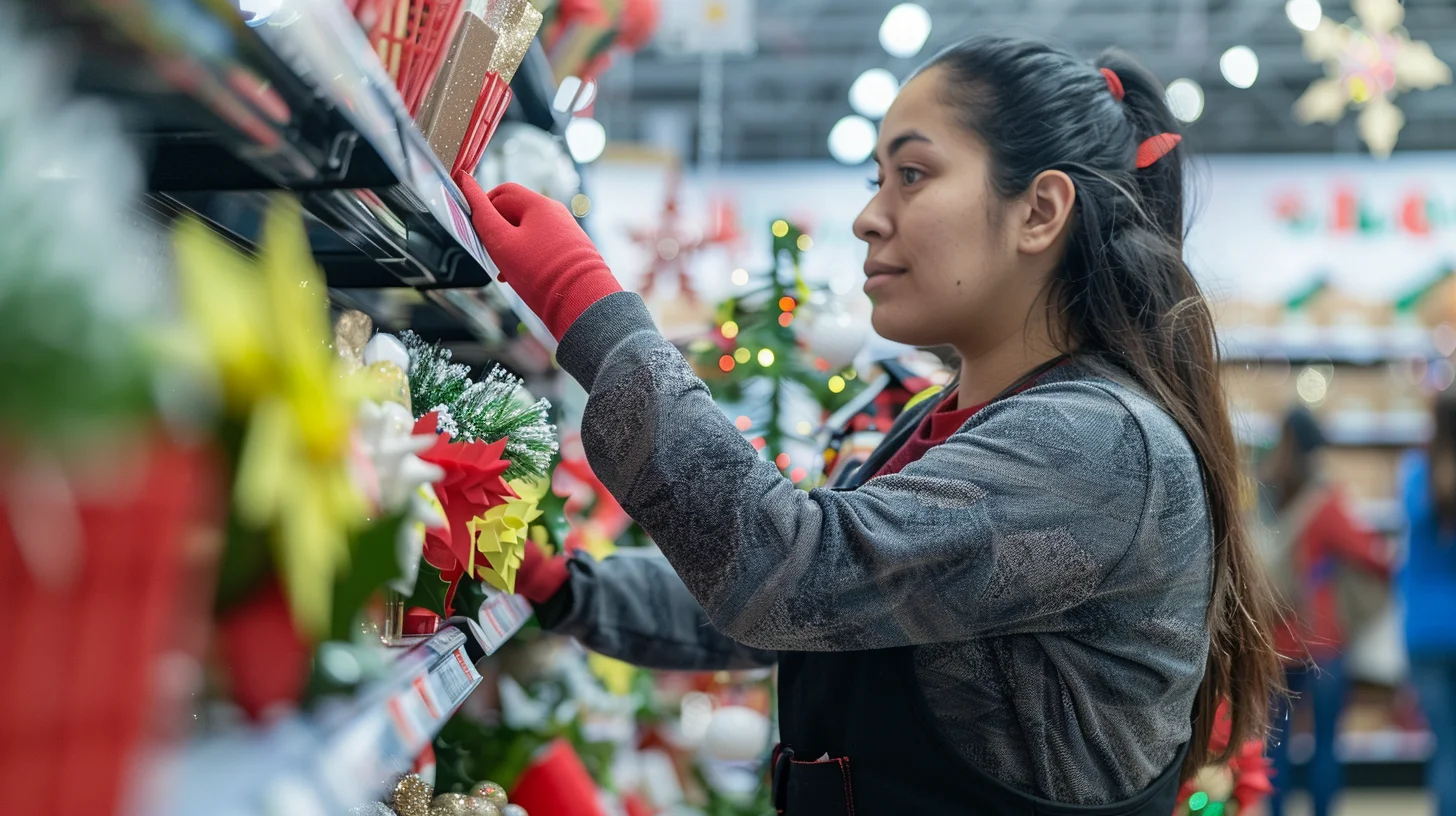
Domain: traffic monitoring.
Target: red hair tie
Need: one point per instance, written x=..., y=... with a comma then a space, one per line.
x=1156, y=147
x=1114, y=83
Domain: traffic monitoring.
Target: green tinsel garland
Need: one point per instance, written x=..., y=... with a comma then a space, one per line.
x=482, y=411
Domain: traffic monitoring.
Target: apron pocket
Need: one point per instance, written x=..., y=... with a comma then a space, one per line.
x=821, y=788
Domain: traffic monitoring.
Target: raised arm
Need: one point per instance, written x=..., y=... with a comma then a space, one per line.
x=1004, y=527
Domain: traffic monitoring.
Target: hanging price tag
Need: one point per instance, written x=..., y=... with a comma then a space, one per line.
x=501, y=617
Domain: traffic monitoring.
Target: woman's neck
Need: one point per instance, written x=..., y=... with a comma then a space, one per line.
x=988, y=371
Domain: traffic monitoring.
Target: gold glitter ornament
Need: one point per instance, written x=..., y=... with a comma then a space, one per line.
x=491, y=792
x=351, y=332
x=459, y=804
x=411, y=796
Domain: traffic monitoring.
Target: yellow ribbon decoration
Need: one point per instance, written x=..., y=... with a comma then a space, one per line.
x=502, y=532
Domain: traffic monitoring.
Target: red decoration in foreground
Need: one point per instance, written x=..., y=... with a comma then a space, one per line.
x=473, y=483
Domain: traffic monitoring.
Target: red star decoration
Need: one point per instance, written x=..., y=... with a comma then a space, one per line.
x=672, y=246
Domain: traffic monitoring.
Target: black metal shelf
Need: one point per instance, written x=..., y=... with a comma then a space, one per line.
x=225, y=111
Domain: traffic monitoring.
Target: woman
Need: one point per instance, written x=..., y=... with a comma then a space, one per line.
x=1319, y=555
x=1428, y=588
x=1033, y=597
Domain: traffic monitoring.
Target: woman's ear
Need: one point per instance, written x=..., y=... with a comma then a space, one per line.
x=1049, y=199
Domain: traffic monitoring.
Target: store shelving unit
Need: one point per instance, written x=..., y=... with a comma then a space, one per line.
x=339, y=756
x=228, y=109
x=347, y=750
x=1343, y=345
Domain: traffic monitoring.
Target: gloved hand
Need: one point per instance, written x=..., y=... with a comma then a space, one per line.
x=540, y=576
x=541, y=251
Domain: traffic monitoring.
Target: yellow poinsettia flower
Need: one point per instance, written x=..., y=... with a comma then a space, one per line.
x=502, y=532
x=265, y=324
x=222, y=301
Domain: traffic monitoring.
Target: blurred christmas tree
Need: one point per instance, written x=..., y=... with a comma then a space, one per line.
x=756, y=358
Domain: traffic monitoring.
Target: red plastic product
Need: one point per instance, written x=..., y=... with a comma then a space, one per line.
x=490, y=107
x=86, y=658
x=412, y=37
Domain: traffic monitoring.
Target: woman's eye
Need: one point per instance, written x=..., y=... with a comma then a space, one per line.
x=909, y=175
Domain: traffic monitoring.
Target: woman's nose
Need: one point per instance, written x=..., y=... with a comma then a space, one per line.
x=872, y=222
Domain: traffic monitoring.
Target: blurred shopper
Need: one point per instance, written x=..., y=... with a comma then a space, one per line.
x=1331, y=573
x=1428, y=587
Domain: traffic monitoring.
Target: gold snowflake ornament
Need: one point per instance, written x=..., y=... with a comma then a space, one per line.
x=1366, y=66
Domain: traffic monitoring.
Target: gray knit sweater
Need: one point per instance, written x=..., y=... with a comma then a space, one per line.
x=1050, y=561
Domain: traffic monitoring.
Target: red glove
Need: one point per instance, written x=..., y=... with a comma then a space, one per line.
x=541, y=251
x=540, y=576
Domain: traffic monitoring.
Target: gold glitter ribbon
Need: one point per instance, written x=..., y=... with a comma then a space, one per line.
x=515, y=23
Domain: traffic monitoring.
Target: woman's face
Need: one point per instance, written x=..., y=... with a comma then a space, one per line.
x=945, y=264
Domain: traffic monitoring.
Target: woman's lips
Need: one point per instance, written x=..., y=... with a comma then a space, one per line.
x=878, y=275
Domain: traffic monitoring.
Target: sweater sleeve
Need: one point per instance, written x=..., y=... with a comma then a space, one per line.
x=632, y=606
x=1006, y=527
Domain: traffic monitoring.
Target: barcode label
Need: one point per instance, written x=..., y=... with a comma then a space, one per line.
x=453, y=678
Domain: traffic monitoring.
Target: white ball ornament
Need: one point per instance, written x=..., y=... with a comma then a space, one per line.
x=835, y=335
x=386, y=348
x=736, y=734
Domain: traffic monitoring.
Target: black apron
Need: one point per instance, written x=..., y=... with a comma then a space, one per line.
x=858, y=737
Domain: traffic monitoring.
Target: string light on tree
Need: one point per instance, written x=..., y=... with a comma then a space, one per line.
x=1368, y=62
x=763, y=322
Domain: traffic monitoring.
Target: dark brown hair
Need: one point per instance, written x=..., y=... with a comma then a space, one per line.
x=1125, y=294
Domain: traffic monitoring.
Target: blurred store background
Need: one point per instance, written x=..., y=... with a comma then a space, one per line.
x=250, y=609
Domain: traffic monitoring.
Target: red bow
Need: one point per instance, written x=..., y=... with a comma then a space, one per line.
x=1156, y=147
x=1153, y=147
x=1114, y=83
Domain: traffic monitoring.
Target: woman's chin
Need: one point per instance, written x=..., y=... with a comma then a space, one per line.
x=901, y=326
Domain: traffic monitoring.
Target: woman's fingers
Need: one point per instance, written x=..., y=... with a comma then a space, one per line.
x=513, y=201
x=488, y=221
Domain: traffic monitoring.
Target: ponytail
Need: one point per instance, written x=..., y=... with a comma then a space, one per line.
x=1126, y=295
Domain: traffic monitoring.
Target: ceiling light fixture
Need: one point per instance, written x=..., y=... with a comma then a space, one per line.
x=905, y=29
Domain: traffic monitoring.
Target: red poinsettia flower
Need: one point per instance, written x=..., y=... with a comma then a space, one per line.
x=473, y=483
